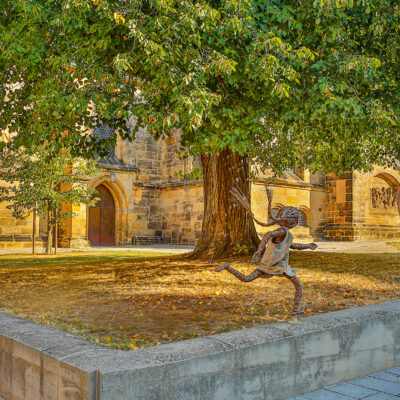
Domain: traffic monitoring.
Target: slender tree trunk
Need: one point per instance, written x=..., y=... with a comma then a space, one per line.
x=49, y=249
x=55, y=230
x=34, y=230
x=225, y=224
x=49, y=245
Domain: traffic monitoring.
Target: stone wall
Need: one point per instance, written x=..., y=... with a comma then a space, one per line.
x=318, y=205
x=16, y=233
x=270, y=362
x=363, y=206
x=339, y=207
x=149, y=212
x=145, y=216
x=375, y=212
x=291, y=191
x=158, y=161
x=173, y=166
x=32, y=365
x=182, y=207
x=144, y=153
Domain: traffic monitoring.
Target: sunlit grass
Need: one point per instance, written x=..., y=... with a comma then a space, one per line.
x=130, y=299
x=396, y=244
x=76, y=258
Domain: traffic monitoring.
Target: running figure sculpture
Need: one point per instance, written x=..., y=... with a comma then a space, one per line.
x=274, y=261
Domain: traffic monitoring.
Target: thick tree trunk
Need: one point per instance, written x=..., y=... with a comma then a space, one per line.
x=226, y=225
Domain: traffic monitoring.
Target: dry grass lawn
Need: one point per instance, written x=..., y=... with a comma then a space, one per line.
x=131, y=300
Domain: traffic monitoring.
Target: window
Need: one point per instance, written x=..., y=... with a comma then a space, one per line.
x=302, y=219
x=302, y=216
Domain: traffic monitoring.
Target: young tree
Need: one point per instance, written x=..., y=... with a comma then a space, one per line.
x=313, y=83
x=41, y=181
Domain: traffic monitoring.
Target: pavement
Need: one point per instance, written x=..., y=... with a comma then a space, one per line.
x=359, y=247
x=383, y=385
x=332, y=247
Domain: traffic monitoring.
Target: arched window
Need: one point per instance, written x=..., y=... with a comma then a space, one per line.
x=302, y=216
x=302, y=219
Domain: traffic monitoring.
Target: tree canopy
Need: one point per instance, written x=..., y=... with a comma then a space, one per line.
x=304, y=82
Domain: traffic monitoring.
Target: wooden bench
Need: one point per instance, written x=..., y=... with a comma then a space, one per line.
x=147, y=240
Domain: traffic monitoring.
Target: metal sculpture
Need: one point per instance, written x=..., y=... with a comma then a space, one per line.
x=275, y=245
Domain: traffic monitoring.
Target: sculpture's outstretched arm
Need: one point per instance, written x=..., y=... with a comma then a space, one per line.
x=303, y=246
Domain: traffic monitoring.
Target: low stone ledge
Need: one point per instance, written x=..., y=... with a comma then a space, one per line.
x=169, y=185
x=38, y=362
x=275, y=361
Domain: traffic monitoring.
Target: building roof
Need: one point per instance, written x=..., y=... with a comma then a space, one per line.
x=111, y=161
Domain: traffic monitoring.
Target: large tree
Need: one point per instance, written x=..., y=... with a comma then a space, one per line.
x=313, y=83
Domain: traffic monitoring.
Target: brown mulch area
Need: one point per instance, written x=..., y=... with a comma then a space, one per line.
x=130, y=300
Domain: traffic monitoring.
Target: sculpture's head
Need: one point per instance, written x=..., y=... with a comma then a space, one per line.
x=287, y=217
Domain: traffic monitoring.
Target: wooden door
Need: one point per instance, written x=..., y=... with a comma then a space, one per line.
x=102, y=219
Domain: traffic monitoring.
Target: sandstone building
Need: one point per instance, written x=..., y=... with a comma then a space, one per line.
x=144, y=194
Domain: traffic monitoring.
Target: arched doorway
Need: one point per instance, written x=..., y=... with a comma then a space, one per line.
x=102, y=219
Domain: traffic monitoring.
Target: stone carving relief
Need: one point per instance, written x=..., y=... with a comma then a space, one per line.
x=384, y=197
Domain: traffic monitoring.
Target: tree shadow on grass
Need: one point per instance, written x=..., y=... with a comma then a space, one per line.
x=160, y=299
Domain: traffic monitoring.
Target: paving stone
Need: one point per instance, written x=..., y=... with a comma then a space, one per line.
x=378, y=385
x=381, y=396
x=386, y=376
x=351, y=390
x=395, y=370
x=292, y=398
x=323, y=394
x=383, y=385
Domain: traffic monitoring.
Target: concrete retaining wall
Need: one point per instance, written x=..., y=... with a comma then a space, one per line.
x=274, y=362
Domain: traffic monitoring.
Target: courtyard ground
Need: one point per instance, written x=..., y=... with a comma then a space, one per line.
x=331, y=247
x=131, y=299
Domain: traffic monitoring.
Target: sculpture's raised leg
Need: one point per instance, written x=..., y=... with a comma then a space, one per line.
x=244, y=278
